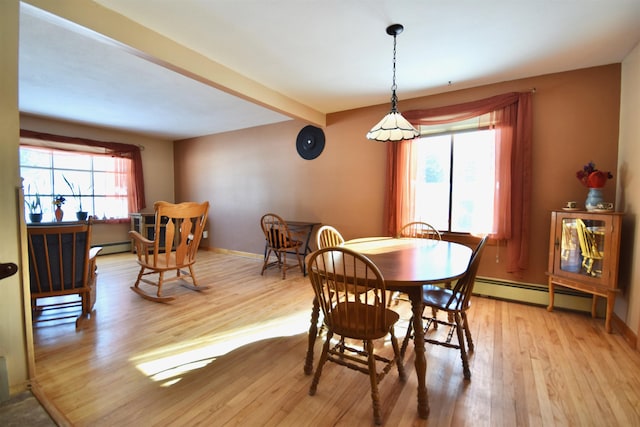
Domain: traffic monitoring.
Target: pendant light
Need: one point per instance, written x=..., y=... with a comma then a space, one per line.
x=393, y=127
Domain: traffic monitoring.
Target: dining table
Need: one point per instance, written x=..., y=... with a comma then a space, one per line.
x=406, y=264
x=304, y=229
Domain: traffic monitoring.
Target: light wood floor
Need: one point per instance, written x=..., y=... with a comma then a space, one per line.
x=233, y=355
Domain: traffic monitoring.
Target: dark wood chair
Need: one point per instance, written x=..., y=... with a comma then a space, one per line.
x=455, y=301
x=177, y=234
x=337, y=274
x=416, y=230
x=61, y=263
x=279, y=242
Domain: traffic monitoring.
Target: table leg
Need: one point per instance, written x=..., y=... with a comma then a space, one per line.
x=307, y=248
x=300, y=230
x=415, y=294
x=313, y=333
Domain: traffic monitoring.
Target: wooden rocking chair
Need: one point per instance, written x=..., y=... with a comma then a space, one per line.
x=177, y=234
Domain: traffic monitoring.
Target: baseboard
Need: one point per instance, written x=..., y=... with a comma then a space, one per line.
x=232, y=252
x=533, y=294
x=56, y=414
x=629, y=336
x=115, y=247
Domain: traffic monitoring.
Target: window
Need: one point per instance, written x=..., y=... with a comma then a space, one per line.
x=455, y=180
x=511, y=119
x=100, y=181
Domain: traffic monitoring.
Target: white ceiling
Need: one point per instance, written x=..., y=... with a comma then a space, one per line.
x=328, y=55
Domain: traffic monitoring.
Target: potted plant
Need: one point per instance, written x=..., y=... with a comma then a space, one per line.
x=35, y=207
x=77, y=194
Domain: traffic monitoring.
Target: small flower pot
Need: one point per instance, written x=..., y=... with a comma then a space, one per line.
x=81, y=215
x=35, y=217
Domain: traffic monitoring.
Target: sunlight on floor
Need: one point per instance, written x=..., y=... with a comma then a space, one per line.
x=169, y=363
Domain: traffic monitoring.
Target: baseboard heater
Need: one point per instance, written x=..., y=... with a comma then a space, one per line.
x=532, y=294
x=115, y=247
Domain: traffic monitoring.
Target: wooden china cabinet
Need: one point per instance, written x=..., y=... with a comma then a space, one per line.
x=584, y=250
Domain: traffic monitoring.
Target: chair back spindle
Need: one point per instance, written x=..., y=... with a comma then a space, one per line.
x=418, y=229
x=328, y=236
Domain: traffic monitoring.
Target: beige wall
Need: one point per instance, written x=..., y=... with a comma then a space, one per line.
x=247, y=173
x=15, y=335
x=628, y=195
x=157, y=165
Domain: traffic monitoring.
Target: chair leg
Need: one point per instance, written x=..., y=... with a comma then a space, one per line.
x=160, y=279
x=393, y=298
x=193, y=276
x=284, y=265
x=300, y=262
x=407, y=338
x=398, y=356
x=323, y=358
x=266, y=261
x=86, y=302
x=140, y=273
x=463, y=351
x=373, y=378
x=467, y=331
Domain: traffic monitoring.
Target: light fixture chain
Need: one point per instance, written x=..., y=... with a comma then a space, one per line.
x=393, y=86
x=394, y=98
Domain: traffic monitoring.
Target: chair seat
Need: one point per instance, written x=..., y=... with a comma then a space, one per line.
x=292, y=244
x=440, y=297
x=162, y=263
x=353, y=326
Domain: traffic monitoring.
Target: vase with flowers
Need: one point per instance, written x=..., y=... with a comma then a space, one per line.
x=594, y=180
x=58, y=201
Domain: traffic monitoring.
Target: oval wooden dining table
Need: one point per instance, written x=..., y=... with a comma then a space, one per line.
x=406, y=264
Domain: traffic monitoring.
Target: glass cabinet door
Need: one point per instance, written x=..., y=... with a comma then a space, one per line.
x=582, y=246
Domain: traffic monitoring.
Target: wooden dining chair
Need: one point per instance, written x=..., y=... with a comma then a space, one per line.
x=335, y=274
x=279, y=242
x=62, y=263
x=455, y=302
x=177, y=233
x=419, y=229
x=416, y=230
x=588, y=248
x=328, y=236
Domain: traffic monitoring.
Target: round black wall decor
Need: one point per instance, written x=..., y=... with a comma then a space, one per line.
x=310, y=142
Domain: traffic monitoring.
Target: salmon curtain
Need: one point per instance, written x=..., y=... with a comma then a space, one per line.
x=511, y=117
x=135, y=196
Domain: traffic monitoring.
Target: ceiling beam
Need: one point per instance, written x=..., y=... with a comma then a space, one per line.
x=109, y=26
